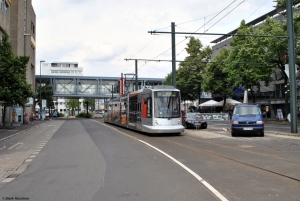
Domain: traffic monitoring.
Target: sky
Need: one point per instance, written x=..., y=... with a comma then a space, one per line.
x=101, y=34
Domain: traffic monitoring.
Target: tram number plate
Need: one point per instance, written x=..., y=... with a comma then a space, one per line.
x=248, y=129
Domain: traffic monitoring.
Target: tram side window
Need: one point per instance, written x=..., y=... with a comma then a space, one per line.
x=149, y=108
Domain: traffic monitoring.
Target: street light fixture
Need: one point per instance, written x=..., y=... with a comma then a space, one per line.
x=41, y=89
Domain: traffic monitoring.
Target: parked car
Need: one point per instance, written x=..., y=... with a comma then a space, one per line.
x=194, y=120
x=54, y=114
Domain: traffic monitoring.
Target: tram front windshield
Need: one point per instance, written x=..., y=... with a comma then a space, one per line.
x=166, y=104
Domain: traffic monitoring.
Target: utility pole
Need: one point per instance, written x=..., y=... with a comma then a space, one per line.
x=173, y=55
x=136, y=75
x=199, y=101
x=291, y=48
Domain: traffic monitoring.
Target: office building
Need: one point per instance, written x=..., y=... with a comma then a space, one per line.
x=18, y=20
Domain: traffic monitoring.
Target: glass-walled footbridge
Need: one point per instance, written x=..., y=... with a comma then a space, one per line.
x=93, y=87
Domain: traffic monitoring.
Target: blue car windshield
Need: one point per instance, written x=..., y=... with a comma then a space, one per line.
x=247, y=110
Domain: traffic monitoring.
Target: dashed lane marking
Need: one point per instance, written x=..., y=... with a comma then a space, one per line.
x=206, y=184
x=7, y=180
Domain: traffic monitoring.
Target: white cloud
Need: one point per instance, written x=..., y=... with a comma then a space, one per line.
x=101, y=34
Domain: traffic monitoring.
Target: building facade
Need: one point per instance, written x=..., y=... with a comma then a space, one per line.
x=4, y=17
x=61, y=68
x=18, y=20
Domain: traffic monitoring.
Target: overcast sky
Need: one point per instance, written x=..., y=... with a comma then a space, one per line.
x=100, y=34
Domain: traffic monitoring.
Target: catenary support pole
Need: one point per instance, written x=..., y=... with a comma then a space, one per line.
x=136, y=75
x=291, y=48
x=173, y=55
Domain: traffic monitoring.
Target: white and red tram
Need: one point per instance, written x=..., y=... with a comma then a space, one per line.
x=155, y=110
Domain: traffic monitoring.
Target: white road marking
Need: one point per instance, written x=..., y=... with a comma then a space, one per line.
x=7, y=180
x=19, y=143
x=28, y=160
x=3, y=147
x=207, y=185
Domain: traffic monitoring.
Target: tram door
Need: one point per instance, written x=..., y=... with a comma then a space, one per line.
x=132, y=121
x=139, y=114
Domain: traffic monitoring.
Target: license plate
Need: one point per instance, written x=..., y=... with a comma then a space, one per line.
x=248, y=129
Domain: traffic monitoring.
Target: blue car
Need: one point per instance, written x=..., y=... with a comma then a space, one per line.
x=54, y=114
x=247, y=119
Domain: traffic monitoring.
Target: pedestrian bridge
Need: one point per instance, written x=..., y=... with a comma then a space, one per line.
x=93, y=87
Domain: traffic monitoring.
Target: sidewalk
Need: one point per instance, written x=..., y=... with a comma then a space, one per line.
x=7, y=132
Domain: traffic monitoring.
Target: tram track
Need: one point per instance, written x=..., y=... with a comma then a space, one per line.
x=223, y=156
x=254, y=142
x=243, y=150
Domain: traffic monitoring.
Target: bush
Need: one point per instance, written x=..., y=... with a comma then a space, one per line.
x=84, y=115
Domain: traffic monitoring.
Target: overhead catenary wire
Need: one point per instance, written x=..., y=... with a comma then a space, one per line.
x=257, y=9
x=186, y=38
x=218, y=13
x=199, y=61
x=225, y=15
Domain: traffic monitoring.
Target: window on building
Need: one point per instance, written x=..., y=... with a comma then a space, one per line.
x=32, y=50
x=5, y=9
x=32, y=27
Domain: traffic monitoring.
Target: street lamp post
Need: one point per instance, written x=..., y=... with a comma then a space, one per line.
x=41, y=89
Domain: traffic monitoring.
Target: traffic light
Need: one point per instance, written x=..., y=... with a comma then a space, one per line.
x=287, y=88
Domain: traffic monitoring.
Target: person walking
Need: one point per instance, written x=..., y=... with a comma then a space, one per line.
x=31, y=118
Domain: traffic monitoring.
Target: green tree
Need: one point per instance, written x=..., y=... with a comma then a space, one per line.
x=276, y=48
x=168, y=79
x=47, y=94
x=190, y=73
x=296, y=21
x=216, y=79
x=14, y=88
x=89, y=102
x=248, y=66
x=72, y=104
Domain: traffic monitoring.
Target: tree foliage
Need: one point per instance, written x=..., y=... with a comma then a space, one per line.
x=14, y=88
x=72, y=104
x=216, y=79
x=47, y=94
x=190, y=73
x=248, y=64
x=89, y=103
